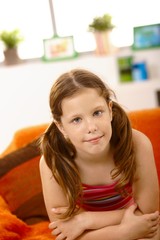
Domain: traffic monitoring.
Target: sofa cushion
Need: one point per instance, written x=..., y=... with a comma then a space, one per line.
x=21, y=185
x=148, y=122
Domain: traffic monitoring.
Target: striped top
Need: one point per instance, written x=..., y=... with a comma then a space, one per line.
x=105, y=197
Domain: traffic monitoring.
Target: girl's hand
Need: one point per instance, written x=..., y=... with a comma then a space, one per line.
x=67, y=229
x=144, y=226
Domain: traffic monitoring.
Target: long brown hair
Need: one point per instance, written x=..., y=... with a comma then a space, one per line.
x=59, y=153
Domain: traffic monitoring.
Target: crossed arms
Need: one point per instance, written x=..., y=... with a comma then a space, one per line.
x=137, y=222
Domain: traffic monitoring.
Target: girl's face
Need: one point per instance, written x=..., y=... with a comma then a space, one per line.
x=86, y=121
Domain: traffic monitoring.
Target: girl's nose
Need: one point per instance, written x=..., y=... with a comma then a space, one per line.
x=91, y=126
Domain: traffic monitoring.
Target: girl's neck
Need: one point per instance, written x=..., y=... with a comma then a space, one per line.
x=96, y=170
x=96, y=159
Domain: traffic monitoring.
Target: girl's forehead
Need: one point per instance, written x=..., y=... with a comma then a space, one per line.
x=83, y=101
x=84, y=91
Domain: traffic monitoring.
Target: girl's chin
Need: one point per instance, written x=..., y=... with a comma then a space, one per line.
x=96, y=151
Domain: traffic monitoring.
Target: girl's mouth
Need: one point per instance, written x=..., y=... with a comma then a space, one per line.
x=94, y=140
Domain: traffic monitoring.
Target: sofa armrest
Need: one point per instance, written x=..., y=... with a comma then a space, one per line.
x=24, y=136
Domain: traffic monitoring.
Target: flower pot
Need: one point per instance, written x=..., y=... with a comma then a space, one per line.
x=11, y=56
x=103, y=43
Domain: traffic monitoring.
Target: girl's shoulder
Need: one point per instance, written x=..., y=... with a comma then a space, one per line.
x=43, y=166
x=143, y=151
x=141, y=141
x=45, y=172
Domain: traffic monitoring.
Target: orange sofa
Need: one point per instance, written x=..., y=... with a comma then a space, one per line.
x=22, y=211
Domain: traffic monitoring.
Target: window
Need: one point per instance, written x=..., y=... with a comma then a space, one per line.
x=72, y=17
x=33, y=18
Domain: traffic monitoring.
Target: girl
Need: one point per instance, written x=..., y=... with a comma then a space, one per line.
x=98, y=175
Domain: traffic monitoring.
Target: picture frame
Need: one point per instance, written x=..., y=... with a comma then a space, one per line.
x=59, y=48
x=146, y=37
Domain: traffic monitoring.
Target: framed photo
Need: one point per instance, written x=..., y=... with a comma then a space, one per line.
x=59, y=48
x=146, y=37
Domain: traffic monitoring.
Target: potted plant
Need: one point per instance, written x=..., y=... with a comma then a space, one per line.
x=11, y=40
x=103, y=23
x=102, y=27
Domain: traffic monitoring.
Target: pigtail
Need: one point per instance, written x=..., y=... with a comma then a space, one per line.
x=122, y=143
x=59, y=155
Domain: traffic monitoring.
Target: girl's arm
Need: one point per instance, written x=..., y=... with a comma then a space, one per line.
x=54, y=198
x=145, y=187
x=131, y=227
x=52, y=192
x=95, y=220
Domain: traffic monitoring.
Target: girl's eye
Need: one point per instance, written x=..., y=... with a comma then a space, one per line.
x=76, y=120
x=98, y=113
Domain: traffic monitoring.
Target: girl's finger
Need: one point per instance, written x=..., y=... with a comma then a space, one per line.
x=55, y=232
x=154, y=215
x=151, y=235
x=52, y=225
x=154, y=229
x=60, y=237
x=155, y=222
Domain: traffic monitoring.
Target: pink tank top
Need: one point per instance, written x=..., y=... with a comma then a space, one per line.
x=105, y=198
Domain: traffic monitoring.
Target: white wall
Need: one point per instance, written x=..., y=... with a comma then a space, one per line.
x=24, y=89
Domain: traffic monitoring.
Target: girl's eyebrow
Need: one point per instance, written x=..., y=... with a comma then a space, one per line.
x=79, y=114
x=99, y=106
x=74, y=116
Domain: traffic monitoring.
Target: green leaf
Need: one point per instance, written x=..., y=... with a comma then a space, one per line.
x=102, y=23
x=11, y=39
